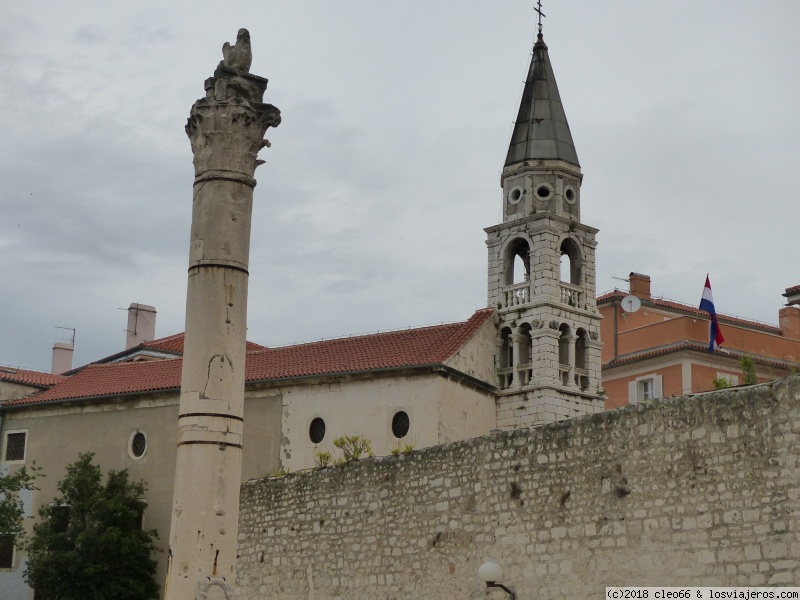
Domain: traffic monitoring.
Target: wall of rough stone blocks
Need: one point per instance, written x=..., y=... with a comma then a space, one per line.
x=684, y=491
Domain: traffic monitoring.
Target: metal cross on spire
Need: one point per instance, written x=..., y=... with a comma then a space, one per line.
x=538, y=9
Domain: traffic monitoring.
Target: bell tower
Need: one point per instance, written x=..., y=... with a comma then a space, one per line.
x=542, y=267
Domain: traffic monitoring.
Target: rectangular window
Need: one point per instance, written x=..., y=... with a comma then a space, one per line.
x=731, y=379
x=15, y=446
x=7, y=551
x=644, y=388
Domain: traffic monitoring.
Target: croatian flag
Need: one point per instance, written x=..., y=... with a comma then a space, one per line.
x=707, y=304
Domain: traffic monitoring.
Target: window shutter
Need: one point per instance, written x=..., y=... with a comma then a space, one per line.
x=657, y=387
x=632, y=392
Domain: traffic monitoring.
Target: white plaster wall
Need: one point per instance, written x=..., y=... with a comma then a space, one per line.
x=10, y=390
x=366, y=407
x=476, y=357
x=464, y=413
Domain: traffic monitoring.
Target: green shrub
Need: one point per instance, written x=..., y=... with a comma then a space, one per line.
x=720, y=383
x=353, y=447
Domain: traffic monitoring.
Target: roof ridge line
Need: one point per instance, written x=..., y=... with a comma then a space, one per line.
x=374, y=333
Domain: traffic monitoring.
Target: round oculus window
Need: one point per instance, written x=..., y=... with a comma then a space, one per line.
x=569, y=194
x=515, y=195
x=400, y=424
x=543, y=191
x=138, y=444
x=316, y=431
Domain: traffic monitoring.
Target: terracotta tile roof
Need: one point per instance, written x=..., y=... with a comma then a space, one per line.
x=409, y=347
x=685, y=308
x=111, y=379
x=174, y=343
x=694, y=347
x=26, y=377
x=420, y=346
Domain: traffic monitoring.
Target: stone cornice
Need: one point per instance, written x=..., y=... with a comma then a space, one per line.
x=539, y=216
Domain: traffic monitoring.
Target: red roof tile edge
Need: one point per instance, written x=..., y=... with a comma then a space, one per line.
x=692, y=346
x=27, y=377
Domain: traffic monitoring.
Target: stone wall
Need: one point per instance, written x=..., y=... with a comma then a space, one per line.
x=701, y=490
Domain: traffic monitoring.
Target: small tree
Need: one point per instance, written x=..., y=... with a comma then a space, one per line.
x=748, y=370
x=12, y=509
x=89, y=542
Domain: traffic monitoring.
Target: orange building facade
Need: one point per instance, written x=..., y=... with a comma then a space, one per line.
x=654, y=348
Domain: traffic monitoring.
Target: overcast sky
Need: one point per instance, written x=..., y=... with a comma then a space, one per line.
x=369, y=212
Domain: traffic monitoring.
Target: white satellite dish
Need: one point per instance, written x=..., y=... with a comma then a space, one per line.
x=630, y=304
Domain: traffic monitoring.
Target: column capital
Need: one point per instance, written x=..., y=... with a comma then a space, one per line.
x=227, y=127
x=226, y=136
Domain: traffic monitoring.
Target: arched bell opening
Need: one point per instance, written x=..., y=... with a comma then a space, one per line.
x=571, y=262
x=525, y=359
x=517, y=262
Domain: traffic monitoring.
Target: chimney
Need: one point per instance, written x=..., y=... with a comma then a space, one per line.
x=141, y=325
x=789, y=315
x=789, y=322
x=640, y=285
x=62, y=358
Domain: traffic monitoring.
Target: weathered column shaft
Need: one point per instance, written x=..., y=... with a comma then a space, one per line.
x=571, y=339
x=516, y=340
x=226, y=130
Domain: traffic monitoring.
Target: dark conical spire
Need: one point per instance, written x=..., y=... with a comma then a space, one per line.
x=541, y=130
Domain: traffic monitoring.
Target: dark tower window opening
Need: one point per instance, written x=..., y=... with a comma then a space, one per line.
x=515, y=195
x=570, y=262
x=518, y=262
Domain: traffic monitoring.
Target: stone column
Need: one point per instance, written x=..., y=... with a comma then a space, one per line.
x=571, y=339
x=516, y=340
x=226, y=130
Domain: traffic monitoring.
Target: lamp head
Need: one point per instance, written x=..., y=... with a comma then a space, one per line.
x=490, y=572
